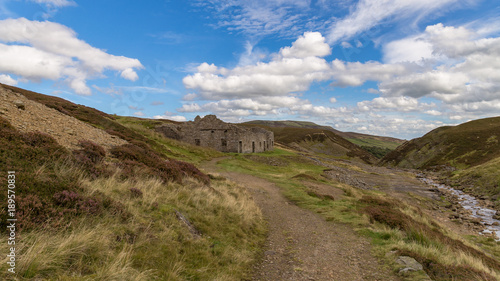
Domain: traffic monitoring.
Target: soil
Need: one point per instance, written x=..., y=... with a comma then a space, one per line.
x=29, y=116
x=301, y=245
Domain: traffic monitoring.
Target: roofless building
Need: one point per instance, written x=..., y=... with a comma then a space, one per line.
x=210, y=131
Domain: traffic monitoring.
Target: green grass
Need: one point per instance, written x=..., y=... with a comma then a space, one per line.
x=390, y=224
x=484, y=180
x=172, y=148
x=469, y=144
x=151, y=243
x=373, y=142
x=92, y=214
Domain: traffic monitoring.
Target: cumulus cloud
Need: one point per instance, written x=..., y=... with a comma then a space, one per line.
x=412, y=49
x=311, y=44
x=465, y=67
x=401, y=104
x=6, y=79
x=46, y=50
x=263, y=106
x=293, y=69
x=348, y=74
x=456, y=70
x=170, y=116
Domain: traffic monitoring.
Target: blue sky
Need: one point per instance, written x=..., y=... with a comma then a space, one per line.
x=389, y=67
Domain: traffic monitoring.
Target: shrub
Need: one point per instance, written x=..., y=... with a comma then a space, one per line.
x=78, y=204
x=92, y=150
x=90, y=158
x=135, y=192
x=31, y=211
x=133, y=156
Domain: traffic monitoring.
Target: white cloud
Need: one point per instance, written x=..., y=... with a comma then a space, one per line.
x=370, y=13
x=346, y=45
x=129, y=74
x=311, y=44
x=394, y=104
x=456, y=68
x=45, y=50
x=264, y=106
x=396, y=125
x=6, y=79
x=434, y=112
x=55, y=3
x=292, y=70
x=462, y=66
x=192, y=107
x=259, y=17
x=411, y=49
x=356, y=73
x=139, y=114
x=177, y=118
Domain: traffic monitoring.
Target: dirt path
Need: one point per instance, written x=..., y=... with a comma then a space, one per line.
x=303, y=246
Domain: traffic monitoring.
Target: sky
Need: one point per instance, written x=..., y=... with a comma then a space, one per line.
x=395, y=68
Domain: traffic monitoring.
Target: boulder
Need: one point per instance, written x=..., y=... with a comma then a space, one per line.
x=19, y=104
x=409, y=263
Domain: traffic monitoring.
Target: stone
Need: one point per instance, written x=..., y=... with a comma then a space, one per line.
x=409, y=263
x=210, y=131
x=19, y=104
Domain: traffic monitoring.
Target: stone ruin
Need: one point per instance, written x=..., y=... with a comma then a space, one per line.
x=210, y=131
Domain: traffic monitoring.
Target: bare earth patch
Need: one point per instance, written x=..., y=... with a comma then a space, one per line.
x=302, y=245
x=30, y=116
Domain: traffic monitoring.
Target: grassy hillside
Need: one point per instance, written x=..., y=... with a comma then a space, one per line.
x=376, y=145
x=466, y=145
x=128, y=213
x=318, y=141
x=467, y=155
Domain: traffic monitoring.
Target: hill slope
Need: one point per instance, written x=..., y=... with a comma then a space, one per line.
x=317, y=140
x=462, y=146
x=98, y=200
x=376, y=145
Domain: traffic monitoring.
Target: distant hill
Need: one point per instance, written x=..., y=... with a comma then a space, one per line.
x=466, y=145
x=316, y=140
x=376, y=145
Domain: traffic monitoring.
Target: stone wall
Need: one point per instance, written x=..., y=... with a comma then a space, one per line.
x=212, y=132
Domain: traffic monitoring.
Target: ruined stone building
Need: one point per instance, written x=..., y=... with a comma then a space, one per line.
x=212, y=132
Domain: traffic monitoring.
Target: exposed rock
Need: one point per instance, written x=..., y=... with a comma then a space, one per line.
x=30, y=116
x=19, y=104
x=410, y=264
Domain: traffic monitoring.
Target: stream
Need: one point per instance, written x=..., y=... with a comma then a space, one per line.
x=469, y=202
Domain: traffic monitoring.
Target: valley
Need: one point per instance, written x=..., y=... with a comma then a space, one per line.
x=131, y=204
